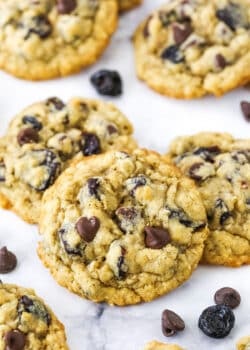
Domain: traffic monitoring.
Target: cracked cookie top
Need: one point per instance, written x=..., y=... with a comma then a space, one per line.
x=122, y=228
x=220, y=166
x=44, y=138
x=26, y=322
x=189, y=48
x=50, y=38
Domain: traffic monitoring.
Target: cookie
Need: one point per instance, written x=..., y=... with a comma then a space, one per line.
x=43, y=139
x=220, y=166
x=155, y=345
x=244, y=344
x=26, y=322
x=122, y=228
x=51, y=38
x=190, y=48
x=125, y=5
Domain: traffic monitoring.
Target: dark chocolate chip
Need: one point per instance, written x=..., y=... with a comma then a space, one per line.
x=181, y=32
x=245, y=107
x=93, y=186
x=107, y=82
x=171, y=323
x=137, y=182
x=33, y=122
x=56, y=103
x=224, y=212
x=156, y=237
x=127, y=213
x=194, y=171
x=2, y=172
x=180, y=215
x=40, y=25
x=208, y=153
x=217, y=321
x=34, y=307
x=173, y=54
x=66, y=6
x=8, y=260
x=90, y=144
x=28, y=135
x=88, y=228
x=120, y=264
x=228, y=297
x=112, y=129
x=220, y=62
x=15, y=340
x=68, y=248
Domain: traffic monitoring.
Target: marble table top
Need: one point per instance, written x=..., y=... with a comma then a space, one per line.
x=157, y=120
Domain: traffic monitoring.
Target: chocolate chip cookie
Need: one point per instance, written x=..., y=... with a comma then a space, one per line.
x=155, y=345
x=122, y=228
x=125, y=5
x=44, y=138
x=220, y=166
x=244, y=344
x=189, y=48
x=27, y=323
x=51, y=38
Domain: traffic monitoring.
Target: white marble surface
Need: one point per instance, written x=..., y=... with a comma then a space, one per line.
x=157, y=120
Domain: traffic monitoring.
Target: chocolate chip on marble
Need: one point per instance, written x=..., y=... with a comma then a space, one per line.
x=2, y=172
x=28, y=135
x=8, y=260
x=171, y=323
x=220, y=62
x=88, y=228
x=228, y=297
x=56, y=103
x=15, y=340
x=34, y=307
x=245, y=107
x=93, y=186
x=173, y=54
x=107, y=82
x=30, y=120
x=156, y=237
x=181, y=32
x=90, y=144
x=66, y=6
x=41, y=26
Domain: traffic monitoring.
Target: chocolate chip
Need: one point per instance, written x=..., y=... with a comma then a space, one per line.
x=71, y=250
x=231, y=15
x=146, y=27
x=33, y=122
x=88, y=228
x=171, y=323
x=167, y=18
x=228, y=297
x=194, y=171
x=112, y=129
x=66, y=6
x=90, y=144
x=28, y=135
x=222, y=209
x=40, y=25
x=56, y=103
x=128, y=213
x=220, y=62
x=107, y=82
x=121, y=264
x=245, y=107
x=14, y=340
x=8, y=260
x=2, y=172
x=180, y=215
x=137, y=182
x=156, y=237
x=207, y=153
x=173, y=54
x=181, y=32
x=93, y=186
x=34, y=307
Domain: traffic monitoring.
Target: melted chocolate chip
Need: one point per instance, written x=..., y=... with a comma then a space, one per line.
x=223, y=211
x=112, y=129
x=181, y=216
x=121, y=264
x=28, y=135
x=88, y=228
x=40, y=25
x=67, y=247
x=15, y=340
x=181, y=32
x=30, y=120
x=56, y=103
x=231, y=15
x=171, y=323
x=245, y=107
x=228, y=297
x=34, y=307
x=8, y=260
x=220, y=62
x=156, y=237
x=93, y=186
x=66, y=6
x=137, y=182
x=90, y=144
x=208, y=153
x=194, y=171
x=2, y=172
x=173, y=54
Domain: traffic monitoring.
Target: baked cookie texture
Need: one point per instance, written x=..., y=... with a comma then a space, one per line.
x=122, y=228
x=187, y=49
x=32, y=322
x=47, y=39
x=155, y=345
x=220, y=166
x=244, y=343
x=125, y=5
x=42, y=140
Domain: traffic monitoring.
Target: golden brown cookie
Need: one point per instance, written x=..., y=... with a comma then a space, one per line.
x=244, y=343
x=125, y=5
